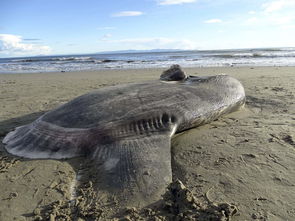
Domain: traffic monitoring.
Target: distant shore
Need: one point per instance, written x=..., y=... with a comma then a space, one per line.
x=246, y=159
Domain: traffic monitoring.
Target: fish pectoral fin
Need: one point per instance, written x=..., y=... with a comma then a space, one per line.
x=136, y=170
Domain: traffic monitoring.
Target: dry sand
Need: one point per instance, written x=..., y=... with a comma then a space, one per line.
x=246, y=159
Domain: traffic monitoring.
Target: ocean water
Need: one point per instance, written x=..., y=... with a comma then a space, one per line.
x=150, y=59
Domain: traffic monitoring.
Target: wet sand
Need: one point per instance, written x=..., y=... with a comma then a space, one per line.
x=245, y=159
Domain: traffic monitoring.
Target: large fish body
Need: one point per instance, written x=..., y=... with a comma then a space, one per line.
x=126, y=130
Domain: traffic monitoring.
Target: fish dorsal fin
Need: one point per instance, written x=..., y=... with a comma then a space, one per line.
x=174, y=73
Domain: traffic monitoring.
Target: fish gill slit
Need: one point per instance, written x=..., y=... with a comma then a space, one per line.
x=147, y=126
x=142, y=128
x=150, y=124
x=154, y=121
x=158, y=122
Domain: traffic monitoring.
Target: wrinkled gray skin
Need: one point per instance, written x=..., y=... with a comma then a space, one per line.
x=126, y=130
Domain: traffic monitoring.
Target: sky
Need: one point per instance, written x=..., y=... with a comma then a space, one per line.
x=52, y=27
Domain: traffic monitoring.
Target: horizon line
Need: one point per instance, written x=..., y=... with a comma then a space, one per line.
x=127, y=51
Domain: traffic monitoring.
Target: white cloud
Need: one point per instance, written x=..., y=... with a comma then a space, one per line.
x=274, y=13
x=154, y=43
x=282, y=20
x=251, y=21
x=106, y=37
x=13, y=45
x=211, y=21
x=288, y=27
x=106, y=28
x=276, y=5
x=252, y=12
x=174, y=2
x=271, y=20
x=127, y=14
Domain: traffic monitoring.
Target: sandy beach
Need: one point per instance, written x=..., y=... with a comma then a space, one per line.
x=245, y=159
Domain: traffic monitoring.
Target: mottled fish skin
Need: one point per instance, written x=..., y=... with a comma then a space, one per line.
x=126, y=130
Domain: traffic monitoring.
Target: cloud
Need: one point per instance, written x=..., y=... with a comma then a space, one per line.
x=251, y=21
x=31, y=39
x=13, y=45
x=273, y=13
x=106, y=28
x=276, y=5
x=270, y=20
x=174, y=2
x=106, y=37
x=154, y=43
x=127, y=14
x=211, y=21
x=282, y=20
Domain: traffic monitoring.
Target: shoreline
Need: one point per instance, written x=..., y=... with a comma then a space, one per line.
x=246, y=159
x=148, y=69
